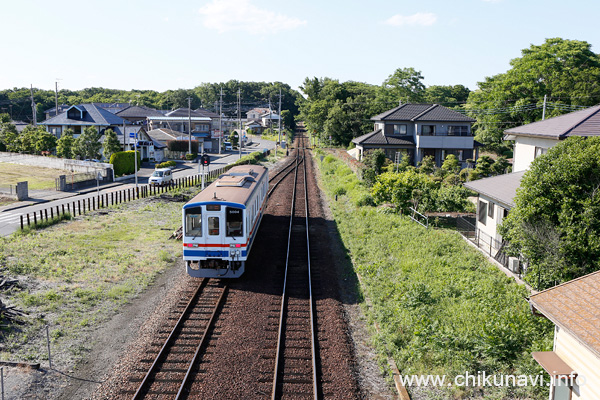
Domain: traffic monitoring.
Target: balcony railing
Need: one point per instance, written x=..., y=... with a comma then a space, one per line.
x=446, y=133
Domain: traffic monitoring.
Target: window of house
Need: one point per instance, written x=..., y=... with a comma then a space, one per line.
x=482, y=212
x=458, y=130
x=428, y=130
x=399, y=129
x=491, y=210
x=539, y=151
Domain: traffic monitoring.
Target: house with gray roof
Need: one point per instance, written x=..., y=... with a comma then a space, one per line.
x=496, y=194
x=81, y=116
x=533, y=140
x=420, y=130
x=138, y=114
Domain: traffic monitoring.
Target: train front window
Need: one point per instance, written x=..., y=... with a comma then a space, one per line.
x=213, y=226
x=234, y=222
x=193, y=221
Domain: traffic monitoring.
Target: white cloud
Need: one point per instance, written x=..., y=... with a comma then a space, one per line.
x=418, y=19
x=240, y=15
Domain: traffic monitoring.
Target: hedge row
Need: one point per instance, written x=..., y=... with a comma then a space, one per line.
x=124, y=163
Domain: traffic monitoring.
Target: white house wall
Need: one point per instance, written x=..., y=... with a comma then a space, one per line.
x=583, y=361
x=524, y=151
x=490, y=227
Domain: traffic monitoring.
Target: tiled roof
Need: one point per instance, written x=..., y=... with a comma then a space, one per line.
x=578, y=123
x=93, y=115
x=184, y=112
x=575, y=307
x=163, y=134
x=207, y=113
x=138, y=112
x=422, y=112
x=378, y=138
x=501, y=188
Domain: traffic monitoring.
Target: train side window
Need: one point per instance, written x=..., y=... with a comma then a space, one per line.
x=193, y=221
x=234, y=222
x=213, y=226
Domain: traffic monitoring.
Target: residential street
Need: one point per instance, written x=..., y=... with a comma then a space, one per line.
x=43, y=199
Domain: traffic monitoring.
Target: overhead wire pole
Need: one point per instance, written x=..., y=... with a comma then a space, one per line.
x=279, y=117
x=220, y=120
x=33, y=108
x=189, y=125
x=240, y=122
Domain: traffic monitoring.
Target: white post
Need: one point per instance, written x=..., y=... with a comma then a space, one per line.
x=48, y=341
x=135, y=161
x=202, y=187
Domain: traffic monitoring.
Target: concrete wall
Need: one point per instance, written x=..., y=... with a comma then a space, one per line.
x=52, y=162
x=582, y=360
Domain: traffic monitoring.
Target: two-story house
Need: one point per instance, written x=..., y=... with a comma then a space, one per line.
x=534, y=139
x=574, y=362
x=496, y=194
x=420, y=130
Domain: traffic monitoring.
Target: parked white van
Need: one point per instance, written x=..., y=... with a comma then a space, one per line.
x=161, y=177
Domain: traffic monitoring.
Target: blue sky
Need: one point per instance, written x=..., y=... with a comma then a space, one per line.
x=160, y=45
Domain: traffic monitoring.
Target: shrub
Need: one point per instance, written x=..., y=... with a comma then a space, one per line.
x=191, y=156
x=166, y=164
x=182, y=145
x=124, y=163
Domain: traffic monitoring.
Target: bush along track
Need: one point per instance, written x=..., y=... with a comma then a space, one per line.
x=442, y=308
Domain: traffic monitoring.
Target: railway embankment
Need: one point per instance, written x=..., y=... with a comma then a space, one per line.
x=441, y=308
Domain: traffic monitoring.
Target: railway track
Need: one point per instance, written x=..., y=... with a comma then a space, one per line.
x=173, y=369
x=296, y=367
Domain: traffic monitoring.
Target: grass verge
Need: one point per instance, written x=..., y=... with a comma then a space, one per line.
x=75, y=275
x=441, y=306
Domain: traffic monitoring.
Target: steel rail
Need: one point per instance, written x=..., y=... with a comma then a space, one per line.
x=202, y=343
x=284, y=296
x=144, y=385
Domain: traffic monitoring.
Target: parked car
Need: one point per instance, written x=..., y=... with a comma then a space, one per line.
x=161, y=177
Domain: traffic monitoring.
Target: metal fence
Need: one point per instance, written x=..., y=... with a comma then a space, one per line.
x=492, y=247
x=8, y=190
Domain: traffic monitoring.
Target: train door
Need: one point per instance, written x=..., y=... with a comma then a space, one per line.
x=214, y=223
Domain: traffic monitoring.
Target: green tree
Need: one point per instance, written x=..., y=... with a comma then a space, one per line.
x=87, y=145
x=555, y=223
x=45, y=141
x=566, y=71
x=484, y=166
x=405, y=189
x=448, y=96
x=9, y=136
x=27, y=139
x=427, y=165
x=111, y=143
x=64, y=145
x=404, y=85
x=451, y=164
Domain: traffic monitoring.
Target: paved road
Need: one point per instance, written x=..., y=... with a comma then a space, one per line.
x=41, y=200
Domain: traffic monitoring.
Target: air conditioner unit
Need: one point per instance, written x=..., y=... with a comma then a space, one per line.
x=514, y=265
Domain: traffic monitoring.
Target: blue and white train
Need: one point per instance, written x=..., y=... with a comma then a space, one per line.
x=221, y=222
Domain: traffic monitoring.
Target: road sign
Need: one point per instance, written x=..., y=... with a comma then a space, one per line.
x=132, y=134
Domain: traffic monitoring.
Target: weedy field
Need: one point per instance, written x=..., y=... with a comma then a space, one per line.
x=76, y=274
x=442, y=308
x=38, y=177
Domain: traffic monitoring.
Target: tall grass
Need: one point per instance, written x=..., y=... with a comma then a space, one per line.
x=441, y=306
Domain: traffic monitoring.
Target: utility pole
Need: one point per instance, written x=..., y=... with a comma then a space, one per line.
x=33, y=108
x=544, y=109
x=190, y=125
x=56, y=95
x=220, y=120
x=279, y=119
x=240, y=139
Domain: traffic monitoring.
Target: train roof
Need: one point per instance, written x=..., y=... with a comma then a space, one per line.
x=234, y=186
